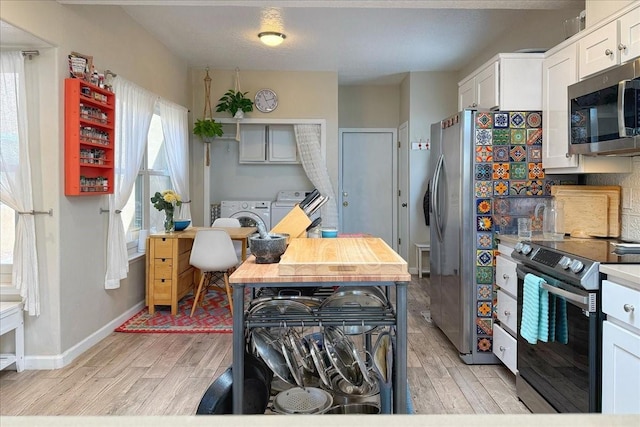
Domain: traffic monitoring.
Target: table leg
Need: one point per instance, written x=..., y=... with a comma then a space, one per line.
x=400, y=378
x=19, y=335
x=238, y=347
x=244, y=249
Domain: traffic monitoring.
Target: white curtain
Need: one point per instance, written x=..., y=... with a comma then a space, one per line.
x=174, y=119
x=134, y=110
x=308, y=141
x=15, y=181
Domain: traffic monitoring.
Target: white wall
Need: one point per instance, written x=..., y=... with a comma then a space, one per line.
x=72, y=243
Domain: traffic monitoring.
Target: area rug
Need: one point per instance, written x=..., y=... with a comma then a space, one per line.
x=212, y=316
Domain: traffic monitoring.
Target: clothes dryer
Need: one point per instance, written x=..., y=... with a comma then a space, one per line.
x=250, y=213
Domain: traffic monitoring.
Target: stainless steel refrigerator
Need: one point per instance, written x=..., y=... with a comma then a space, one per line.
x=479, y=163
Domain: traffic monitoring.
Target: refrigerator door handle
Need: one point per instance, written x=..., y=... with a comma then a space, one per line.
x=436, y=195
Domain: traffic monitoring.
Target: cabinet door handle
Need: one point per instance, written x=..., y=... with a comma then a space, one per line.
x=502, y=348
x=505, y=276
x=507, y=313
x=608, y=52
x=628, y=308
x=622, y=46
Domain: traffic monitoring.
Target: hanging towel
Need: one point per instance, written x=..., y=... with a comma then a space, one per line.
x=552, y=318
x=562, y=331
x=531, y=308
x=543, y=318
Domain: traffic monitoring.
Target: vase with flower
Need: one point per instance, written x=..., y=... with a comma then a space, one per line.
x=167, y=202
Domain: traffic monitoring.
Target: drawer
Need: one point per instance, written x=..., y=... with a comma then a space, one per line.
x=506, y=277
x=505, y=249
x=507, y=310
x=163, y=268
x=185, y=283
x=162, y=292
x=163, y=247
x=616, y=297
x=505, y=348
x=183, y=262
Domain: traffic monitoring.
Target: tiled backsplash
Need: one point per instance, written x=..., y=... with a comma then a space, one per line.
x=630, y=183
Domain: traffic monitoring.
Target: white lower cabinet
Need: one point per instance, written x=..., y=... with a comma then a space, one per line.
x=620, y=348
x=506, y=324
x=505, y=348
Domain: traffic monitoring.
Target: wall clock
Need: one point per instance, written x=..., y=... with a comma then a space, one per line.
x=266, y=100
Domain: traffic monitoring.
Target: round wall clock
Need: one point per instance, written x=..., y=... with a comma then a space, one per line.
x=266, y=100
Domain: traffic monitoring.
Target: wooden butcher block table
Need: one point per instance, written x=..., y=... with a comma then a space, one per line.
x=367, y=261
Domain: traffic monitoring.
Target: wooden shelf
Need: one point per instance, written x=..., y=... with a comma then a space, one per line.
x=89, y=139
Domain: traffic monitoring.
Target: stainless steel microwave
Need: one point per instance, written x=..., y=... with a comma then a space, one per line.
x=604, y=112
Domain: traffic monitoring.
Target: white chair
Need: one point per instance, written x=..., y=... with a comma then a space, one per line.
x=212, y=252
x=230, y=222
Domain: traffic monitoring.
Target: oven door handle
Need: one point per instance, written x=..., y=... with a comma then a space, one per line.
x=566, y=294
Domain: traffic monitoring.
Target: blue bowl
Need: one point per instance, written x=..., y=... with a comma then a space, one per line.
x=329, y=232
x=181, y=224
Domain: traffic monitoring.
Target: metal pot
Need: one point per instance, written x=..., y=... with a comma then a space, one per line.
x=355, y=408
x=345, y=393
x=297, y=400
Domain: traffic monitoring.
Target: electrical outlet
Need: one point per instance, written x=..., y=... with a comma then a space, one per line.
x=627, y=198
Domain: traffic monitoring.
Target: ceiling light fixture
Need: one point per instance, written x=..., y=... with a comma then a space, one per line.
x=271, y=38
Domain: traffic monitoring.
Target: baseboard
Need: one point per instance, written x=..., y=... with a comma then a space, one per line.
x=34, y=362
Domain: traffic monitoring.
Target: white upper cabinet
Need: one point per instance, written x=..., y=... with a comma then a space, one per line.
x=612, y=44
x=273, y=143
x=506, y=82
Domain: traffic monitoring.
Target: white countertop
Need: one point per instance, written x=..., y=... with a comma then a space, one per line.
x=628, y=272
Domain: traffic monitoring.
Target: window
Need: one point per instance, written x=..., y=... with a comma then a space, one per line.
x=154, y=176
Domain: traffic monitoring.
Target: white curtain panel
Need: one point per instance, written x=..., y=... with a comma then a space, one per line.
x=15, y=181
x=134, y=110
x=308, y=141
x=174, y=119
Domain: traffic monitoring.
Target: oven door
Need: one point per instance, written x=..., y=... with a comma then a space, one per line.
x=565, y=371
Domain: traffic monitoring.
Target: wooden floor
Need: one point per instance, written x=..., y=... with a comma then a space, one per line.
x=167, y=374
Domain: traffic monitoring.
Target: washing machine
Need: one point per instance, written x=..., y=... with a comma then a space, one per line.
x=285, y=201
x=250, y=213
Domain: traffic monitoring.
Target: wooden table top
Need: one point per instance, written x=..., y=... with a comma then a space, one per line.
x=190, y=233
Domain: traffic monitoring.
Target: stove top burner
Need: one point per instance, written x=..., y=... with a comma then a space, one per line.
x=597, y=250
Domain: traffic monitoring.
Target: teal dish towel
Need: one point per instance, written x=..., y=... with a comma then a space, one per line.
x=530, y=319
x=543, y=317
x=562, y=329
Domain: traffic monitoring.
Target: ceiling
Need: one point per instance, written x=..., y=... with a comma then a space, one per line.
x=365, y=42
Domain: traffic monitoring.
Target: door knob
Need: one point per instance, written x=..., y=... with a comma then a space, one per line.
x=345, y=203
x=505, y=276
x=608, y=52
x=345, y=194
x=628, y=308
x=621, y=46
x=404, y=205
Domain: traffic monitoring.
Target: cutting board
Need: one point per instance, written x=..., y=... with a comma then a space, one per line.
x=340, y=256
x=586, y=215
x=612, y=191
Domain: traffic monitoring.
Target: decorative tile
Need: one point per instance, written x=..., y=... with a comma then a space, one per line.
x=501, y=205
x=579, y=134
x=485, y=345
x=579, y=118
x=484, y=120
x=547, y=187
x=502, y=221
x=500, y=153
x=517, y=119
x=517, y=188
x=484, y=189
x=518, y=153
x=483, y=206
x=484, y=223
x=518, y=136
x=483, y=171
x=535, y=188
x=484, y=153
x=484, y=326
x=519, y=170
x=534, y=119
x=484, y=241
x=484, y=292
x=534, y=153
x=536, y=171
x=484, y=137
x=534, y=136
x=500, y=188
x=501, y=136
x=484, y=308
x=500, y=171
x=484, y=258
x=501, y=120
x=484, y=275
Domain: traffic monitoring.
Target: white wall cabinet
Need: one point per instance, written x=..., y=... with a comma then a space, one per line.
x=620, y=348
x=506, y=82
x=272, y=143
x=612, y=44
x=505, y=329
x=559, y=71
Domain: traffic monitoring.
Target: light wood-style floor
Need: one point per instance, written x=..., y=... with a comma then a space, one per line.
x=167, y=374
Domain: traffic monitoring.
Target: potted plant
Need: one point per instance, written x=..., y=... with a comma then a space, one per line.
x=235, y=103
x=207, y=130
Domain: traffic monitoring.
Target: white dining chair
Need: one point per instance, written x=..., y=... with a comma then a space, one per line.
x=212, y=252
x=230, y=222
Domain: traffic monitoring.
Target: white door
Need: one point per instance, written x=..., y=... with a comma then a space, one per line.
x=368, y=183
x=403, y=191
